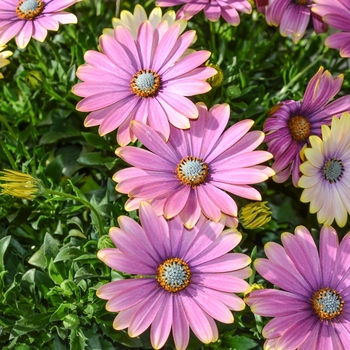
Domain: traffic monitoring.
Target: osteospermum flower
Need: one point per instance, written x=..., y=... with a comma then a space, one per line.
x=25, y=19
x=213, y=9
x=311, y=308
x=337, y=14
x=183, y=279
x=132, y=21
x=292, y=16
x=3, y=58
x=326, y=173
x=290, y=123
x=143, y=79
x=190, y=174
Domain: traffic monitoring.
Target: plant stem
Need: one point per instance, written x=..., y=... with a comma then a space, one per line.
x=83, y=201
x=8, y=154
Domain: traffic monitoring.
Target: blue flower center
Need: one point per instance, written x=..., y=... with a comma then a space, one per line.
x=29, y=9
x=145, y=83
x=327, y=303
x=173, y=275
x=333, y=170
x=192, y=171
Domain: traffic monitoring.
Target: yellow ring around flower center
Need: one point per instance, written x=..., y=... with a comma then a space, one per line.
x=327, y=303
x=192, y=171
x=173, y=275
x=29, y=9
x=145, y=83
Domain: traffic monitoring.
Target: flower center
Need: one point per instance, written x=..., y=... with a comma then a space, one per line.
x=145, y=83
x=299, y=127
x=29, y=9
x=333, y=170
x=302, y=2
x=192, y=171
x=173, y=275
x=327, y=303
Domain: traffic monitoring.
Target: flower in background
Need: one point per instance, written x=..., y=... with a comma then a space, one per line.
x=326, y=173
x=254, y=215
x=336, y=13
x=218, y=78
x=133, y=21
x=290, y=123
x=213, y=9
x=292, y=16
x=19, y=185
x=142, y=80
x=311, y=308
x=190, y=174
x=3, y=58
x=183, y=279
x=25, y=19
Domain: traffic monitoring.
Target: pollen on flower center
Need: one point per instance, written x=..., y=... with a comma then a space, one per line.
x=192, y=171
x=145, y=83
x=333, y=170
x=299, y=127
x=173, y=275
x=29, y=9
x=327, y=303
x=302, y=2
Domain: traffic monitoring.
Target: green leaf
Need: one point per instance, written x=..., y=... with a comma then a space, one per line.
x=38, y=259
x=240, y=343
x=4, y=243
x=51, y=248
x=96, y=141
x=62, y=311
x=68, y=253
x=77, y=340
x=96, y=158
x=54, y=273
x=29, y=324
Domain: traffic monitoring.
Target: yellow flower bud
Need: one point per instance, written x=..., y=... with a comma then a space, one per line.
x=217, y=79
x=254, y=215
x=19, y=185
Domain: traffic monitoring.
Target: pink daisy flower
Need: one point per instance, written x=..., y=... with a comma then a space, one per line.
x=311, y=309
x=142, y=79
x=290, y=123
x=25, y=19
x=183, y=279
x=190, y=174
x=292, y=16
x=337, y=14
x=213, y=9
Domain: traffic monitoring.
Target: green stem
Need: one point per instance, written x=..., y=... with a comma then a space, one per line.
x=212, y=38
x=83, y=201
x=56, y=96
x=8, y=127
x=8, y=154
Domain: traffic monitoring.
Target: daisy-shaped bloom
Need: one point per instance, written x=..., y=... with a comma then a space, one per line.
x=326, y=173
x=142, y=79
x=336, y=13
x=133, y=21
x=311, y=308
x=213, y=9
x=290, y=123
x=25, y=19
x=292, y=16
x=190, y=174
x=183, y=279
x=3, y=58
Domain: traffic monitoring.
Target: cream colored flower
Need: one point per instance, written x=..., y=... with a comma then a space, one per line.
x=132, y=21
x=3, y=58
